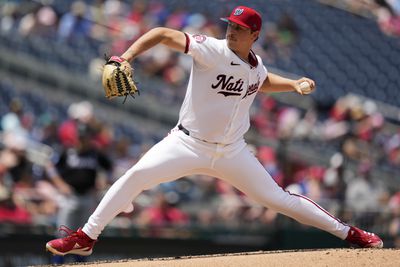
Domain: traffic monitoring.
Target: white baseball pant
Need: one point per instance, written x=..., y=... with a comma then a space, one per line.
x=179, y=155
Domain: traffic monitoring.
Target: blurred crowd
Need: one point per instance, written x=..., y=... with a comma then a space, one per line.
x=353, y=126
x=116, y=24
x=56, y=173
x=386, y=12
x=50, y=169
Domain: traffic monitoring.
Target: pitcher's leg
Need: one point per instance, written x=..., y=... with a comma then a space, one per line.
x=246, y=173
x=166, y=161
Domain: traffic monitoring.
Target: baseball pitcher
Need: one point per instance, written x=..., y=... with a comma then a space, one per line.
x=225, y=78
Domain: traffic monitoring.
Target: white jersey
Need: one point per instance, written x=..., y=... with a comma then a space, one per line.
x=220, y=91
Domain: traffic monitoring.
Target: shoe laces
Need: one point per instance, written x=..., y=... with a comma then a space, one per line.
x=69, y=233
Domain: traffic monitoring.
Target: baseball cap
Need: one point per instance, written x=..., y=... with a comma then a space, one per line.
x=246, y=17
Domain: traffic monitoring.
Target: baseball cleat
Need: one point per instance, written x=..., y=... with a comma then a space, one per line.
x=77, y=243
x=363, y=239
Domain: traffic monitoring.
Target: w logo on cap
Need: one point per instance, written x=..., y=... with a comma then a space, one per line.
x=246, y=17
x=238, y=11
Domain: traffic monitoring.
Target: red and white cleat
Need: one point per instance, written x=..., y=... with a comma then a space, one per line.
x=74, y=243
x=363, y=239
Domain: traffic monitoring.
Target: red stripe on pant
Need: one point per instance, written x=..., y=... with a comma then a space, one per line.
x=318, y=206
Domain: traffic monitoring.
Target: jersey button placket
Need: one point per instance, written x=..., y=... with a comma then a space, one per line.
x=238, y=101
x=245, y=71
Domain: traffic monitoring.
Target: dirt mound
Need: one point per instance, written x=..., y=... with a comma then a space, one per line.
x=315, y=258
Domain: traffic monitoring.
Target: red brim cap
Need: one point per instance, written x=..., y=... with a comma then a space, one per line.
x=246, y=17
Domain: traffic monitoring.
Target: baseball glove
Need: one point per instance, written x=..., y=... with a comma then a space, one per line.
x=118, y=78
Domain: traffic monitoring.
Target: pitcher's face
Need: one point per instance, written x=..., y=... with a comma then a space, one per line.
x=238, y=36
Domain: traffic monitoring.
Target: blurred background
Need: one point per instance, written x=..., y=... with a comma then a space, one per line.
x=62, y=144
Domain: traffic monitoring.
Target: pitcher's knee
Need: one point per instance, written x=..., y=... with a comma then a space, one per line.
x=134, y=178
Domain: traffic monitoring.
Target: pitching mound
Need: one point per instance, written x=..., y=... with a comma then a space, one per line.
x=315, y=258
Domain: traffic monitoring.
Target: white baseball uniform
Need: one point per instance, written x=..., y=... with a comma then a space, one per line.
x=209, y=140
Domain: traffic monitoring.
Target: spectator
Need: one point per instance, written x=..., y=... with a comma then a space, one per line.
x=21, y=173
x=162, y=214
x=308, y=182
x=363, y=194
x=75, y=174
x=79, y=167
x=19, y=177
x=11, y=210
x=267, y=158
x=8, y=20
x=388, y=17
x=12, y=121
x=288, y=35
x=81, y=112
x=392, y=148
x=76, y=23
